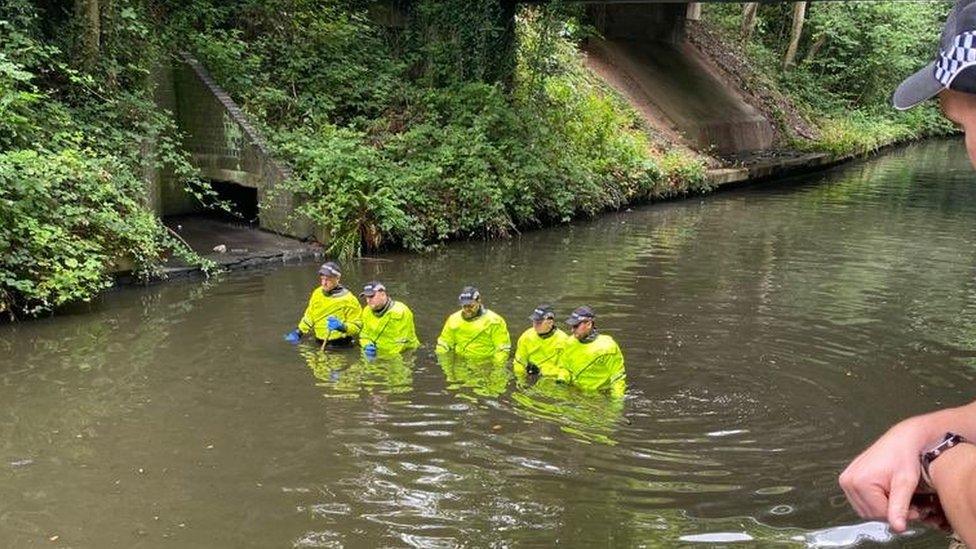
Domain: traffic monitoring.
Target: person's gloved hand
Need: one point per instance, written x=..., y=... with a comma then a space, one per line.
x=293, y=337
x=532, y=369
x=335, y=324
x=370, y=350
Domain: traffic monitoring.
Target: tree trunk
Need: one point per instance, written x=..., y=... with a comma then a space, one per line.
x=815, y=48
x=91, y=31
x=749, y=10
x=799, y=15
x=694, y=11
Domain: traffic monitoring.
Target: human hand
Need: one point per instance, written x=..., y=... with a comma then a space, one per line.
x=880, y=482
x=293, y=337
x=370, y=350
x=335, y=324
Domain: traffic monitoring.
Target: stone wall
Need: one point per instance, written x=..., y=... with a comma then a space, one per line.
x=224, y=146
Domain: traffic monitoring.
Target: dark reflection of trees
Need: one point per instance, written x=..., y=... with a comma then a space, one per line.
x=67, y=373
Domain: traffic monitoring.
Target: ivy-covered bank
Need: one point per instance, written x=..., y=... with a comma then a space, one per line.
x=404, y=128
x=432, y=128
x=825, y=71
x=76, y=116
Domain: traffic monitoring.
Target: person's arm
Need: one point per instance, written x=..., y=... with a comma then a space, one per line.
x=879, y=483
x=445, y=341
x=500, y=338
x=502, y=342
x=307, y=323
x=352, y=318
x=409, y=337
x=954, y=479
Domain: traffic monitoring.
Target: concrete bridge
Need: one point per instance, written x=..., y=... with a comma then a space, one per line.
x=643, y=53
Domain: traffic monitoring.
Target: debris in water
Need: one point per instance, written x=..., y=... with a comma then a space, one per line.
x=21, y=463
x=220, y=248
x=54, y=538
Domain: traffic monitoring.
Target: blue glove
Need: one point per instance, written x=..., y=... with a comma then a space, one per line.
x=293, y=336
x=335, y=324
x=370, y=350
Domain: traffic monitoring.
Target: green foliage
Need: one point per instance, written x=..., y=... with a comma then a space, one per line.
x=72, y=143
x=852, y=56
x=67, y=217
x=410, y=137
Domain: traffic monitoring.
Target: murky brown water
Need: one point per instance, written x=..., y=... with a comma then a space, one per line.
x=769, y=334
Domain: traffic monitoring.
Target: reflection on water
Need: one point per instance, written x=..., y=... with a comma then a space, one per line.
x=348, y=373
x=585, y=416
x=757, y=325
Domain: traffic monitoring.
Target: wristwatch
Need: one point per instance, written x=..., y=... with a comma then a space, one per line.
x=927, y=457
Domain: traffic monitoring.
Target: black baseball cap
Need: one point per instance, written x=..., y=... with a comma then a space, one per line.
x=954, y=66
x=579, y=315
x=542, y=312
x=330, y=268
x=370, y=289
x=469, y=295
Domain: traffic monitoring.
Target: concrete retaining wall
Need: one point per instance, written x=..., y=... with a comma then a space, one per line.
x=224, y=146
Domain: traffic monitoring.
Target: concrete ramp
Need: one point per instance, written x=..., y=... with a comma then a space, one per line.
x=675, y=89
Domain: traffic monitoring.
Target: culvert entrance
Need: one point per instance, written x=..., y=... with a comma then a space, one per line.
x=242, y=202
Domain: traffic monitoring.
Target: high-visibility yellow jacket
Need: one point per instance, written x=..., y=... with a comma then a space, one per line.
x=340, y=303
x=541, y=351
x=596, y=365
x=391, y=330
x=482, y=337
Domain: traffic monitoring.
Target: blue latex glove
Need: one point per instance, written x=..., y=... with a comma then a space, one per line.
x=293, y=337
x=335, y=324
x=370, y=350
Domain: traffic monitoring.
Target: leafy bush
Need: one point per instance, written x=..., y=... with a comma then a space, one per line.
x=851, y=57
x=72, y=142
x=415, y=136
x=67, y=217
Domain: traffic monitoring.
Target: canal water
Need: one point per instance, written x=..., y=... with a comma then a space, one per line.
x=769, y=333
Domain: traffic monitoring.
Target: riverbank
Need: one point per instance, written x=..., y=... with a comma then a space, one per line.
x=402, y=134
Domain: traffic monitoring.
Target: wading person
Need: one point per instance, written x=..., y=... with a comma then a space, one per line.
x=590, y=360
x=387, y=325
x=333, y=311
x=881, y=482
x=475, y=332
x=537, y=350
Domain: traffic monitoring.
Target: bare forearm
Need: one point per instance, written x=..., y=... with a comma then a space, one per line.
x=954, y=479
x=928, y=429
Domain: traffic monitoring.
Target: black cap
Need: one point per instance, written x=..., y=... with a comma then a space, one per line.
x=370, y=289
x=953, y=64
x=330, y=268
x=542, y=312
x=579, y=315
x=469, y=295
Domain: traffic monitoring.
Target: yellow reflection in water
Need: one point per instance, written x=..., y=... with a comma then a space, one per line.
x=589, y=417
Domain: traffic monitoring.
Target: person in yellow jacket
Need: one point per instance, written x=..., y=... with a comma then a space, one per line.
x=387, y=325
x=474, y=332
x=590, y=360
x=538, y=348
x=333, y=311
